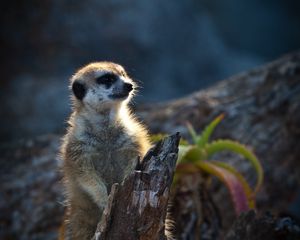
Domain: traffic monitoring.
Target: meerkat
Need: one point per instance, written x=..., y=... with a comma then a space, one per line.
x=101, y=146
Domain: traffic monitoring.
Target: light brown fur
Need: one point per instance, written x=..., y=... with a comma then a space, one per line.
x=100, y=148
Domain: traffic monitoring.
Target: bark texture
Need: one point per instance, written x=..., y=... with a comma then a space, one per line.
x=262, y=109
x=137, y=208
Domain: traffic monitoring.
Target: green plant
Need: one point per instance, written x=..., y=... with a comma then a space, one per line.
x=197, y=157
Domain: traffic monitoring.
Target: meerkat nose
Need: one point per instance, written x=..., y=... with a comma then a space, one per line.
x=128, y=87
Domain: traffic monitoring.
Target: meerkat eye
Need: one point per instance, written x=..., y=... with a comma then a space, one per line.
x=107, y=79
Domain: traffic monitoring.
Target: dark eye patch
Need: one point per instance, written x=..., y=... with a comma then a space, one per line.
x=107, y=79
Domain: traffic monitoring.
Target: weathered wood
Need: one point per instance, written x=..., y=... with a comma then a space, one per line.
x=137, y=208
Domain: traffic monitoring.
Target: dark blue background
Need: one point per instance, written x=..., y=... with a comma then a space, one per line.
x=172, y=47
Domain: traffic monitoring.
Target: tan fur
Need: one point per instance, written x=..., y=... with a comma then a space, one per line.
x=100, y=148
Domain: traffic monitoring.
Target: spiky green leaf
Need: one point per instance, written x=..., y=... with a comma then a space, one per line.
x=189, y=153
x=248, y=191
x=182, y=150
x=228, y=145
x=233, y=183
x=206, y=133
x=192, y=132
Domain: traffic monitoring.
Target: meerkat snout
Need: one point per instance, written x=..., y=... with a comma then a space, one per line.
x=122, y=92
x=128, y=87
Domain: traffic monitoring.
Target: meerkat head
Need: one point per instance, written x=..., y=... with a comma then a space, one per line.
x=101, y=84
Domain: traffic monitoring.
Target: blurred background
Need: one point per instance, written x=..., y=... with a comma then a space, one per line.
x=172, y=47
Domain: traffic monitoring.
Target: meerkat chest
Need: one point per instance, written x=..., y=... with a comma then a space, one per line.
x=112, y=154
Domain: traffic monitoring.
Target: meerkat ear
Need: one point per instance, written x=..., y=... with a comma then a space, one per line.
x=78, y=90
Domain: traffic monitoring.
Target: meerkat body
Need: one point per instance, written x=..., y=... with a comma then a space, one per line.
x=101, y=146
